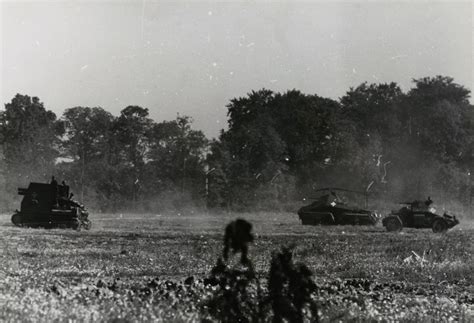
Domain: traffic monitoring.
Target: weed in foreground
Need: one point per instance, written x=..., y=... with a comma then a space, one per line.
x=236, y=292
x=290, y=288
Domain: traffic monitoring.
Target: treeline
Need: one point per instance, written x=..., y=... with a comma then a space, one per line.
x=278, y=148
x=111, y=163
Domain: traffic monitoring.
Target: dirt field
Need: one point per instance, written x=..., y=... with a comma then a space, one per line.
x=151, y=268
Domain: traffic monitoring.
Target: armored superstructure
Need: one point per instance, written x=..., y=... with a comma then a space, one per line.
x=50, y=205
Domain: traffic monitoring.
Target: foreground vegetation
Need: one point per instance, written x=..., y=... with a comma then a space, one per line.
x=156, y=267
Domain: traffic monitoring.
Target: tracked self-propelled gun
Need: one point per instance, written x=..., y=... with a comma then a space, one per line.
x=50, y=206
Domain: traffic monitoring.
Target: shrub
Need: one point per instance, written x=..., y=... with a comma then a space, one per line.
x=290, y=288
x=236, y=294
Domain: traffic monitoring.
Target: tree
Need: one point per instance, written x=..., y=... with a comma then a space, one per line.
x=307, y=126
x=437, y=119
x=369, y=134
x=175, y=156
x=436, y=111
x=88, y=146
x=131, y=131
x=371, y=109
x=87, y=133
x=431, y=90
x=253, y=146
x=272, y=136
x=30, y=137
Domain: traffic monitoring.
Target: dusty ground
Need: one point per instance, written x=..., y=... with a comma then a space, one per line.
x=133, y=267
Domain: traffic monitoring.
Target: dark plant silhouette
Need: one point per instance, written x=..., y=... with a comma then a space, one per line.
x=238, y=235
x=290, y=288
x=237, y=295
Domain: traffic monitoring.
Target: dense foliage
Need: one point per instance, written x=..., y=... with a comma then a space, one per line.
x=112, y=162
x=277, y=149
x=280, y=147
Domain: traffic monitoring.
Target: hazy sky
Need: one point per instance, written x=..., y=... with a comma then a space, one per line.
x=193, y=57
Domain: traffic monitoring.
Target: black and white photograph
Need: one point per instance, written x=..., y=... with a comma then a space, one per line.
x=236, y=161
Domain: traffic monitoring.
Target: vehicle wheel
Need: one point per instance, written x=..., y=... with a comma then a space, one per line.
x=16, y=220
x=440, y=226
x=76, y=225
x=87, y=225
x=393, y=225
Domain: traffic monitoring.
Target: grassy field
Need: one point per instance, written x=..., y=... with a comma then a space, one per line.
x=133, y=267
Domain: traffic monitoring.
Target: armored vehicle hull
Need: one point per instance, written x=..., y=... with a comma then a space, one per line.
x=336, y=216
x=53, y=219
x=330, y=209
x=419, y=215
x=50, y=206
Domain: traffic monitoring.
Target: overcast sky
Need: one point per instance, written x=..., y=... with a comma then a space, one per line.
x=193, y=57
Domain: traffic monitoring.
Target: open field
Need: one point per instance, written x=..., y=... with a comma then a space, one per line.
x=139, y=268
